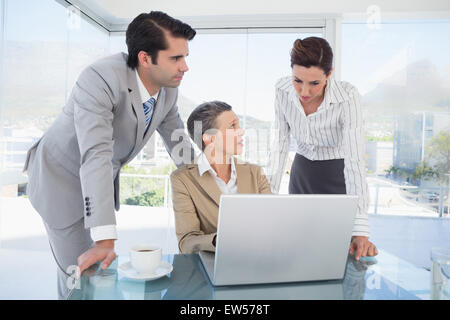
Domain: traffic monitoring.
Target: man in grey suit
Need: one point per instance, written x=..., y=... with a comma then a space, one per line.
x=116, y=105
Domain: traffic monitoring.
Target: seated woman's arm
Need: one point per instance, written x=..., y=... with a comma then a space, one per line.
x=191, y=238
x=263, y=183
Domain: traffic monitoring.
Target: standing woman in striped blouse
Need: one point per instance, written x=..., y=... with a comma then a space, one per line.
x=325, y=118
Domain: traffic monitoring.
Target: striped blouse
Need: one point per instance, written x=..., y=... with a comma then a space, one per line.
x=334, y=131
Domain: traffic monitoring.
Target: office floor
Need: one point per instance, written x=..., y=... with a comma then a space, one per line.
x=27, y=269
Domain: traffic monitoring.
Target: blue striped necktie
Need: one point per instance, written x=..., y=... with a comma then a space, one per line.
x=148, y=111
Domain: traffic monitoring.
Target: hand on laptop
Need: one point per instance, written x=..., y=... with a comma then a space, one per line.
x=363, y=247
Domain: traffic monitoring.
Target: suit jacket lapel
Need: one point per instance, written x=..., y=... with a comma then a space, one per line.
x=207, y=183
x=137, y=107
x=244, y=179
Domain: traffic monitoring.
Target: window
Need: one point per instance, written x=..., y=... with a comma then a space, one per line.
x=44, y=52
x=87, y=42
x=402, y=71
x=36, y=63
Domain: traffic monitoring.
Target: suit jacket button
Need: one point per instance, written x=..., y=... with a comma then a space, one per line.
x=88, y=213
x=87, y=198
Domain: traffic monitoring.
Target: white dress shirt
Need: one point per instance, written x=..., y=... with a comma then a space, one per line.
x=226, y=188
x=334, y=131
x=109, y=231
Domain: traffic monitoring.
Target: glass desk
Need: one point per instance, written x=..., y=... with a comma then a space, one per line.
x=390, y=278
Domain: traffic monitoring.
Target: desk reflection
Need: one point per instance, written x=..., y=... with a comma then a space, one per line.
x=189, y=280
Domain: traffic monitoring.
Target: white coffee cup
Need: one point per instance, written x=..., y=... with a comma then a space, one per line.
x=145, y=258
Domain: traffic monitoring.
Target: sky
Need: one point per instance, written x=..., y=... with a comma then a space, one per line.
x=371, y=55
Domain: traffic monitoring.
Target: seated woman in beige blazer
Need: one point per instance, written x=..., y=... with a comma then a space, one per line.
x=196, y=188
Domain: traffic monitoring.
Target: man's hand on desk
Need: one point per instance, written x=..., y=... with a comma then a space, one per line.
x=363, y=247
x=102, y=251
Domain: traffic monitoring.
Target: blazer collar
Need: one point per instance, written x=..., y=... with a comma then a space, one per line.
x=209, y=185
x=135, y=97
x=204, y=165
x=244, y=179
x=206, y=182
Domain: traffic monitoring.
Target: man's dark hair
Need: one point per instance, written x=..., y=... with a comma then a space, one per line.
x=147, y=33
x=206, y=114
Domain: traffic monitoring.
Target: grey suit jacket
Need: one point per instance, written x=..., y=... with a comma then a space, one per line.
x=74, y=168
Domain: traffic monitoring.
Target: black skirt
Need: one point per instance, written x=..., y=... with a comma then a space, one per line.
x=317, y=177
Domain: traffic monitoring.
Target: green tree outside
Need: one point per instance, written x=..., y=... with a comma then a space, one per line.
x=142, y=191
x=438, y=150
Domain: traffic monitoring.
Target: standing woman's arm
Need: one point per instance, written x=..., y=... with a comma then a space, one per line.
x=354, y=160
x=280, y=144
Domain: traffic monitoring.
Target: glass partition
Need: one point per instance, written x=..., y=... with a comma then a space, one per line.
x=46, y=45
x=402, y=71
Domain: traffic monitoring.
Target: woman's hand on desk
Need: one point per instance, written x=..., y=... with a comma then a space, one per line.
x=102, y=251
x=363, y=247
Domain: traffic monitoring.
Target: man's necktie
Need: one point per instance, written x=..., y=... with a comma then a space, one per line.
x=148, y=111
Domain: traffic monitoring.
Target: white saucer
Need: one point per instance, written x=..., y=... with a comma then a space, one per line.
x=127, y=270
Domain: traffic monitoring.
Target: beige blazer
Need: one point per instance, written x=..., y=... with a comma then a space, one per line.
x=196, y=202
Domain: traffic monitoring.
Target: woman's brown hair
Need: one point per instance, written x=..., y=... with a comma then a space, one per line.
x=312, y=51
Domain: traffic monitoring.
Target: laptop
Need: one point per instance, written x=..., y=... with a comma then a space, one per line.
x=280, y=238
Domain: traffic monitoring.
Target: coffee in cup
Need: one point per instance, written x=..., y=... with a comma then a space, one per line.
x=145, y=258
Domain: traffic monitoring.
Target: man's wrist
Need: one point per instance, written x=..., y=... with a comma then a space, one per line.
x=107, y=243
x=358, y=237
